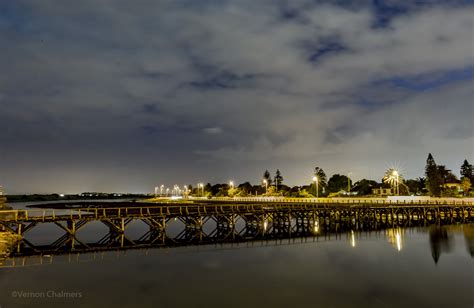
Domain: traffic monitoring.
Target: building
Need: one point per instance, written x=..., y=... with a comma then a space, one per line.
x=454, y=186
x=382, y=191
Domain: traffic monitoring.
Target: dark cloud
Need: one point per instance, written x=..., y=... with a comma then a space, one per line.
x=126, y=95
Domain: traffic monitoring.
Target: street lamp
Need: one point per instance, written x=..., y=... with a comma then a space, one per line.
x=156, y=191
x=397, y=176
x=161, y=189
x=231, y=184
x=201, y=185
x=266, y=185
x=315, y=180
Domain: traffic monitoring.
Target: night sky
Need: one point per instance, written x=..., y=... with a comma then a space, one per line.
x=121, y=96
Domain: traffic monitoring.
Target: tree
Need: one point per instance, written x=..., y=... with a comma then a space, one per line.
x=321, y=175
x=446, y=175
x=338, y=182
x=293, y=191
x=267, y=177
x=466, y=185
x=278, y=179
x=232, y=191
x=322, y=180
x=364, y=187
x=467, y=171
x=245, y=189
x=422, y=181
x=433, y=178
x=416, y=186
x=272, y=191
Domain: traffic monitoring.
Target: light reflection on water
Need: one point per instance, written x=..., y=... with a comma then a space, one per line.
x=413, y=267
x=399, y=267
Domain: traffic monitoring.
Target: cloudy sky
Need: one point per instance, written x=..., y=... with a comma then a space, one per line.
x=109, y=95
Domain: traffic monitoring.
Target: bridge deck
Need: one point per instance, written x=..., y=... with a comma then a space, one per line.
x=229, y=222
x=139, y=210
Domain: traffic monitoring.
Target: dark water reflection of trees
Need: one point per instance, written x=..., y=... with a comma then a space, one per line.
x=441, y=240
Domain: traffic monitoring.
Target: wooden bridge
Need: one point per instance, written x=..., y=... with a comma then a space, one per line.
x=219, y=222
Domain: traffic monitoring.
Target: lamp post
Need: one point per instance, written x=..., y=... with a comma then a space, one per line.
x=161, y=189
x=266, y=185
x=397, y=176
x=349, y=183
x=315, y=180
x=231, y=184
x=201, y=185
x=156, y=191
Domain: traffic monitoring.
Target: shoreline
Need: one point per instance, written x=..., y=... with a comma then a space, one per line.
x=7, y=242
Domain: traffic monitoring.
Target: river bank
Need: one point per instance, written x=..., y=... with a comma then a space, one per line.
x=82, y=197
x=8, y=240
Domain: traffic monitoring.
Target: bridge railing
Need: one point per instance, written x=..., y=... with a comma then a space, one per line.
x=375, y=201
x=190, y=209
x=128, y=212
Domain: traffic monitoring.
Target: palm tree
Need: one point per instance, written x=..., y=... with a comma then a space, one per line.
x=321, y=175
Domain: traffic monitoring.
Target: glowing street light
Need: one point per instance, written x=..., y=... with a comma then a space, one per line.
x=231, y=184
x=396, y=175
x=201, y=185
x=266, y=185
x=161, y=189
x=156, y=191
x=315, y=180
x=393, y=177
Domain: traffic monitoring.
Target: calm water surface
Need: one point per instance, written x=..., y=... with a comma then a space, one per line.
x=412, y=267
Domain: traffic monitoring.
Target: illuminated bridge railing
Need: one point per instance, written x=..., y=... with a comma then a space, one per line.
x=354, y=201
x=45, y=215
x=42, y=215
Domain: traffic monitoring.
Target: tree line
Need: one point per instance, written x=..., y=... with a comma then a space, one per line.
x=438, y=181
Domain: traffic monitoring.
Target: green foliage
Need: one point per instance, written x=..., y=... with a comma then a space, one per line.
x=303, y=193
x=232, y=192
x=450, y=193
x=272, y=191
x=466, y=185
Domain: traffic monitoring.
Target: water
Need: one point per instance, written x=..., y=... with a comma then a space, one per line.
x=412, y=267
